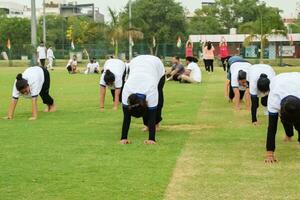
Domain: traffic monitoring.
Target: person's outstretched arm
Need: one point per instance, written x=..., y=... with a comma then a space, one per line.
x=102, y=96
x=270, y=144
x=11, y=109
x=151, y=124
x=126, y=124
x=34, y=109
x=117, y=98
x=236, y=98
x=248, y=99
x=226, y=89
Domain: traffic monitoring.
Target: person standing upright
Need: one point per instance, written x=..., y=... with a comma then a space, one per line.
x=208, y=56
x=41, y=54
x=189, y=49
x=224, y=53
x=50, y=57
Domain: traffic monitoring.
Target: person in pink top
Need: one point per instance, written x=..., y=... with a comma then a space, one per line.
x=189, y=49
x=208, y=56
x=224, y=53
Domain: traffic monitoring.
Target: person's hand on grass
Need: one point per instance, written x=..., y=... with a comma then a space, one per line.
x=124, y=141
x=270, y=158
x=149, y=142
x=255, y=123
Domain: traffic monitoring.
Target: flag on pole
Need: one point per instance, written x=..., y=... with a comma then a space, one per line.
x=154, y=41
x=8, y=44
x=72, y=45
x=178, y=42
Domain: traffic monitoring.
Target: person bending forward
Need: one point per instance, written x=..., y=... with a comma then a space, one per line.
x=33, y=82
x=143, y=95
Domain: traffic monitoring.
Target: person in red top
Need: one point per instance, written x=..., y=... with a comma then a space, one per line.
x=189, y=49
x=224, y=53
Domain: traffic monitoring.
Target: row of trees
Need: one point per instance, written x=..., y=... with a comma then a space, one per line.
x=154, y=22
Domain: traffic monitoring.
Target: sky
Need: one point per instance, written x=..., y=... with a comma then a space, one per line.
x=289, y=9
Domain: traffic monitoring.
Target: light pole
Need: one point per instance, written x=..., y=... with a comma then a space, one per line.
x=44, y=22
x=130, y=27
x=33, y=33
x=262, y=51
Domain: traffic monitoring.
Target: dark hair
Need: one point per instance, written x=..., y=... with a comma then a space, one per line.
x=191, y=59
x=137, y=107
x=209, y=45
x=263, y=83
x=91, y=60
x=109, y=77
x=242, y=75
x=21, y=83
x=177, y=58
x=290, y=109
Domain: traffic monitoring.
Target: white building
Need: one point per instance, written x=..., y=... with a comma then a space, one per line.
x=13, y=9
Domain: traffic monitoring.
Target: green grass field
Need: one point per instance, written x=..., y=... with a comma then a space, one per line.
x=204, y=150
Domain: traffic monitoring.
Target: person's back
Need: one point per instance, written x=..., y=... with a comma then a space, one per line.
x=281, y=86
x=208, y=54
x=146, y=67
x=195, y=72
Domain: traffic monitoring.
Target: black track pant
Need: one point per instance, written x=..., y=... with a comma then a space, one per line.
x=231, y=93
x=289, y=129
x=47, y=99
x=255, y=105
x=43, y=61
x=160, y=103
x=224, y=61
x=210, y=65
x=272, y=129
x=205, y=64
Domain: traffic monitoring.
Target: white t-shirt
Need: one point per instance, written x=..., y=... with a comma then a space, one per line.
x=254, y=75
x=41, y=52
x=71, y=62
x=35, y=78
x=145, y=74
x=195, y=72
x=234, y=72
x=117, y=67
x=50, y=54
x=91, y=67
x=282, y=86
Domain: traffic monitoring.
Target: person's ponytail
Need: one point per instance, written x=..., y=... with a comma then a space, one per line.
x=21, y=83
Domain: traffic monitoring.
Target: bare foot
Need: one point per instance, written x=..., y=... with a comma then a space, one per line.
x=52, y=108
x=149, y=142
x=46, y=109
x=287, y=139
x=145, y=129
x=124, y=141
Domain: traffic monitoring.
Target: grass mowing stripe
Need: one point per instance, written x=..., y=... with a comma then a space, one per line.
x=226, y=161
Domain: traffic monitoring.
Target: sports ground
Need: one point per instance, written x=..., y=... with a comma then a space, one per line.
x=204, y=150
